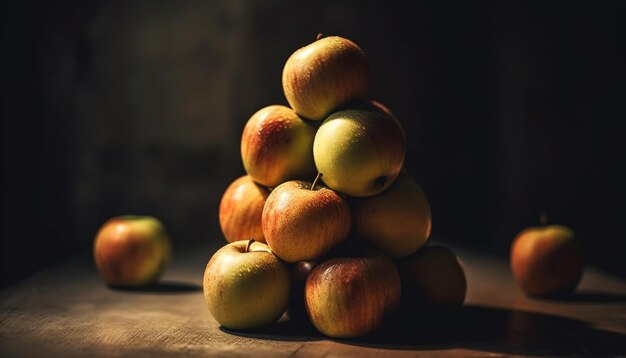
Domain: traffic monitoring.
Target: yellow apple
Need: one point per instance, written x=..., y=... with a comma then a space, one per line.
x=396, y=221
x=547, y=260
x=246, y=286
x=325, y=74
x=277, y=146
x=360, y=151
x=131, y=250
x=241, y=209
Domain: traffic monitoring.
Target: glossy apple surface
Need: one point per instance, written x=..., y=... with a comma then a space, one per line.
x=397, y=221
x=301, y=224
x=352, y=296
x=547, y=260
x=325, y=74
x=276, y=146
x=359, y=151
x=241, y=209
x=246, y=286
x=131, y=250
x=433, y=277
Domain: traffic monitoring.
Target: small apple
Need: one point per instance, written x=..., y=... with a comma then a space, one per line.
x=131, y=250
x=246, y=286
x=360, y=151
x=325, y=74
x=432, y=278
x=396, y=221
x=277, y=146
x=241, y=209
x=547, y=260
x=302, y=221
x=352, y=296
x=299, y=273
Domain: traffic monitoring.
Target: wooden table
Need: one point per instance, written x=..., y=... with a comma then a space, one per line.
x=67, y=311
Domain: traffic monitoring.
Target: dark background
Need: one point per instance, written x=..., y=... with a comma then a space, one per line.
x=108, y=108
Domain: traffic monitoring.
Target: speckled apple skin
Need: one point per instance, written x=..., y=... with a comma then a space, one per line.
x=241, y=210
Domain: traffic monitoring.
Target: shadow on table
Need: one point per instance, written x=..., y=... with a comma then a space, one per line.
x=161, y=287
x=497, y=330
x=587, y=296
x=478, y=328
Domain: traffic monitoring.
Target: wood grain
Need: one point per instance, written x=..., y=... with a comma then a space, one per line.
x=67, y=311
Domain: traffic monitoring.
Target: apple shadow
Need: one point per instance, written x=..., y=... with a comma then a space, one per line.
x=586, y=296
x=506, y=331
x=161, y=287
x=284, y=330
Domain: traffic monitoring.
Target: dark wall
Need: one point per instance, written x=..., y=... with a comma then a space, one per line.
x=511, y=109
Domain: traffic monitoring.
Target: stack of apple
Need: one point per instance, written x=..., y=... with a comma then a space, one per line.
x=327, y=224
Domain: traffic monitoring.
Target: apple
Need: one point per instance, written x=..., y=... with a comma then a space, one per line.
x=299, y=273
x=432, y=278
x=277, y=146
x=241, y=209
x=131, y=250
x=397, y=221
x=352, y=296
x=547, y=260
x=325, y=74
x=360, y=151
x=246, y=286
x=302, y=221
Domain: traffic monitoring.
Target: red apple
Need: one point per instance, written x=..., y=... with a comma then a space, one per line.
x=432, y=278
x=352, y=296
x=396, y=221
x=131, y=250
x=246, y=286
x=241, y=209
x=360, y=150
x=277, y=146
x=299, y=273
x=302, y=221
x=547, y=260
x=325, y=74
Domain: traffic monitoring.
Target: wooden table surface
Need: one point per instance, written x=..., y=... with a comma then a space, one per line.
x=67, y=311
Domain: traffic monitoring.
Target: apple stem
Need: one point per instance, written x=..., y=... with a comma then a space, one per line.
x=319, y=36
x=319, y=175
x=543, y=218
x=248, y=245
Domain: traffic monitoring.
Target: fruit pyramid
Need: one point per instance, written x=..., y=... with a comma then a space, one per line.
x=347, y=250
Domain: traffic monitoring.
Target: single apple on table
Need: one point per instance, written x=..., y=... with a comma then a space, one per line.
x=131, y=250
x=397, y=221
x=302, y=221
x=547, y=260
x=432, y=279
x=246, y=286
x=241, y=209
x=325, y=74
x=277, y=146
x=352, y=296
x=359, y=150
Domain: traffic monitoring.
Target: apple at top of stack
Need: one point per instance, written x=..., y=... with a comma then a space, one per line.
x=277, y=146
x=320, y=77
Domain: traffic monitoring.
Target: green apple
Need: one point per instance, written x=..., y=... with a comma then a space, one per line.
x=131, y=250
x=547, y=260
x=360, y=151
x=241, y=209
x=432, y=278
x=352, y=296
x=396, y=221
x=246, y=286
x=276, y=146
x=302, y=221
x=320, y=77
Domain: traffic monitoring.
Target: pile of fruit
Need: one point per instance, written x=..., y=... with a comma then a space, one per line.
x=347, y=250
x=326, y=224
